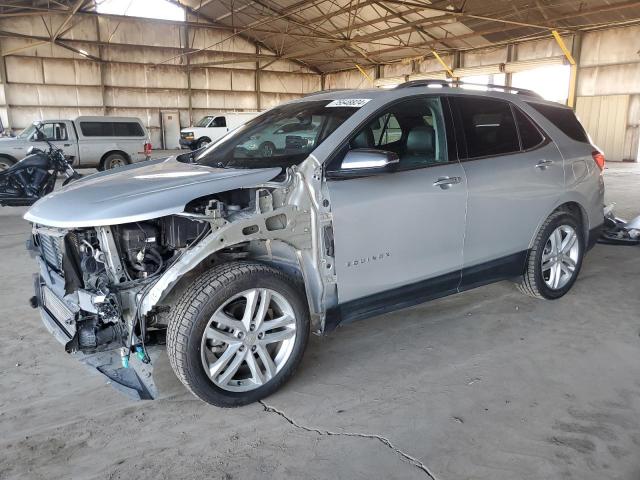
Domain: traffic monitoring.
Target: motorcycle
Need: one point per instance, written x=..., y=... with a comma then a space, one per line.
x=35, y=175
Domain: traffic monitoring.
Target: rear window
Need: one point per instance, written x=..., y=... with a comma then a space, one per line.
x=564, y=119
x=111, y=129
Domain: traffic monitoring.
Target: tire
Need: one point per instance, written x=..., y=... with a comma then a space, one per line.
x=267, y=149
x=203, y=142
x=539, y=282
x=114, y=160
x=191, y=324
x=6, y=162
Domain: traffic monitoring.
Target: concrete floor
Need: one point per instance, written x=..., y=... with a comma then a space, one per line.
x=489, y=384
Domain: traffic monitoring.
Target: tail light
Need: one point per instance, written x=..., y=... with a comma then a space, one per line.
x=598, y=157
x=147, y=149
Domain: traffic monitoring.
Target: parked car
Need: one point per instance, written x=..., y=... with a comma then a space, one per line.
x=403, y=196
x=96, y=142
x=213, y=127
x=285, y=138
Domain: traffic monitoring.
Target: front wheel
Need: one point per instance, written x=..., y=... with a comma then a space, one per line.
x=203, y=142
x=555, y=259
x=238, y=333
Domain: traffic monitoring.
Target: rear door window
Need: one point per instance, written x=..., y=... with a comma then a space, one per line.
x=564, y=119
x=489, y=126
x=530, y=135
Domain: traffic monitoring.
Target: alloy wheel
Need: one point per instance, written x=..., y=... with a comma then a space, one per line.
x=560, y=257
x=248, y=340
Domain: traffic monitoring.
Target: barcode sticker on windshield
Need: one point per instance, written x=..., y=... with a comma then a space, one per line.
x=349, y=102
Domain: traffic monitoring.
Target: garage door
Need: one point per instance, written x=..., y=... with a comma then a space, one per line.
x=605, y=118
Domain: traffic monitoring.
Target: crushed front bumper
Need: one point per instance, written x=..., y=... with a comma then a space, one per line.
x=136, y=381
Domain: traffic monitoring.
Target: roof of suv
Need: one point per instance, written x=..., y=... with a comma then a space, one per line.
x=419, y=86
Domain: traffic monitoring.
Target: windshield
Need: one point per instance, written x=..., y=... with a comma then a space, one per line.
x=281, y=137
x=27, y=132
x=203, y=122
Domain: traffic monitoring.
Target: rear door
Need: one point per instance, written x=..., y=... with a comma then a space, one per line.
x=515, y=177
x=399, y=235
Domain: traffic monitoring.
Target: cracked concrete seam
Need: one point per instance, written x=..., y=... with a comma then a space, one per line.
x=385, y=441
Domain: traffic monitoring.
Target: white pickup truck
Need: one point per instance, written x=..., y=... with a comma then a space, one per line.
x=212, y=127
x=97, y=142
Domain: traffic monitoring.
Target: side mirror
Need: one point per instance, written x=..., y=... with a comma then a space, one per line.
x=363, y=162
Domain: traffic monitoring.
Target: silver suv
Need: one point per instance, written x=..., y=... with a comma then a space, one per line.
x=231, y=259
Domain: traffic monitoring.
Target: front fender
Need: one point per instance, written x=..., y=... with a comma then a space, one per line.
x=229, y=235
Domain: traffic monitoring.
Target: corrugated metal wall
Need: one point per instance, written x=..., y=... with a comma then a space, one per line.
x=141, y=74
x=605, y=118
x=609, y=69
x=609, y=65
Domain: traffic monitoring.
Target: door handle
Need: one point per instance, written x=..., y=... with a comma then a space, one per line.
x=543, y=164
x=67, y=144
x=446, y=182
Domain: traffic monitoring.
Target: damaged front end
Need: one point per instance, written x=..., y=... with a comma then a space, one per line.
x=105, y=292
x=87, y=288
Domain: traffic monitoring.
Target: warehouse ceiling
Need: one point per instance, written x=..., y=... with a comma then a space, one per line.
x=330, y=35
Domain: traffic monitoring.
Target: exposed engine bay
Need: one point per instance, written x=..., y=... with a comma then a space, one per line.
x=105, y=286
x=104, y=268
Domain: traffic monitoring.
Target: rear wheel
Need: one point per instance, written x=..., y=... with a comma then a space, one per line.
x=555, y=259
x=238, y=333
x=115, y=160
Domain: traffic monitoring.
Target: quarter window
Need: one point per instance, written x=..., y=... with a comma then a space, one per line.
x=530, y=136
x=564, y=119
x=489, y=126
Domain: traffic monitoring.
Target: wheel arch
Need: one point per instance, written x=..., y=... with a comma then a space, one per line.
x=574, y=208
x=275, y=253
x=110, y=152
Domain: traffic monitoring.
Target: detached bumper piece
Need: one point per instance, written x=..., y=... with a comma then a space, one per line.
x=135, y=381
x=617, y=231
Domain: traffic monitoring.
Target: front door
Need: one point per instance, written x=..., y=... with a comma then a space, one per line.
x=399, y=235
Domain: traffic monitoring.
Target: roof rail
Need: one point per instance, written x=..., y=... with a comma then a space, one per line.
x=458, y=83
